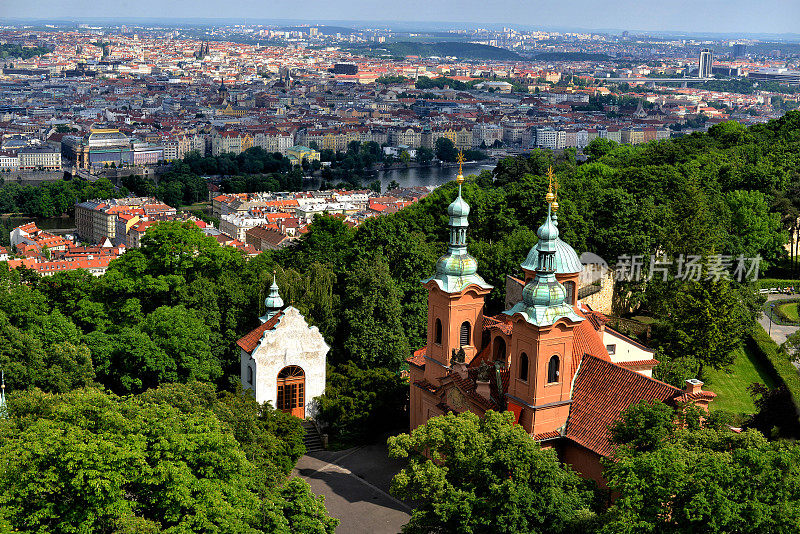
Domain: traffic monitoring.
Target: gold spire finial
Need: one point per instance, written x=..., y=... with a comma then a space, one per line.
x=550, y=196
x=555, y=196
x=460, y=160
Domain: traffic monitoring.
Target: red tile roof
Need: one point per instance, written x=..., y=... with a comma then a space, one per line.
x=547, y=435
x=501, y=322
x=250, y=341
x=699, y=395
x=639, y=364
x=418, y=358
x=602, y=391
x=587, y=340
x=483, y=356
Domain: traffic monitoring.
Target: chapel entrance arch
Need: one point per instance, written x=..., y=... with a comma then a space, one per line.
x=292, y=391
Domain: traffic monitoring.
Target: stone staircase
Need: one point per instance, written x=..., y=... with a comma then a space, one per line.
x=312, y=440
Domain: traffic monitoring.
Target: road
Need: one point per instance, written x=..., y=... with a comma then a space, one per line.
x=355, y=483
x=779, y=333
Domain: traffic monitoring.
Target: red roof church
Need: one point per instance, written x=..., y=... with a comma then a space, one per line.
x=544, y=358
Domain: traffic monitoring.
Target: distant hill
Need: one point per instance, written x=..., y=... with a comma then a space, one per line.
x=570, y=56
x=456, y=49
x=324, y=30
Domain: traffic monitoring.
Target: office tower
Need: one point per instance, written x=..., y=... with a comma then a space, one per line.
x=705, y=63
x=739, y=50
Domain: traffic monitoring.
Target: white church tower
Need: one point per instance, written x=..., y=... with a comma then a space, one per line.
x=283, y=360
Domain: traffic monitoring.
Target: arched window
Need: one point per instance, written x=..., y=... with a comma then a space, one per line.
x=249, y=375
x=465, y=337
x=552, y=370
x=570, y=287
x=499, y=349
x=437, y=338
x=523, y=366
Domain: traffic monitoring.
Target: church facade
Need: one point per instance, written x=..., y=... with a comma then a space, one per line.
x=283, y=360
x=548, y=358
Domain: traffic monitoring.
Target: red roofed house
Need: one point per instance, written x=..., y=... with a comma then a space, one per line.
x=283, y=360
x=546, y=358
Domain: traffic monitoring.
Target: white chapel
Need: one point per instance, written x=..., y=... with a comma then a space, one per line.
x=284, y=359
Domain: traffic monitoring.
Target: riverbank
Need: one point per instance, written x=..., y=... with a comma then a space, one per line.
x=63, y=224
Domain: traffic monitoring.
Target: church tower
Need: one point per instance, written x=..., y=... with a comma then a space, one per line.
x=542, y=346
x=567, y=264
x=456, y=295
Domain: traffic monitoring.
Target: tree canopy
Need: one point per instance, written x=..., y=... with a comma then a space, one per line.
x=88, y=461
x=486, y=475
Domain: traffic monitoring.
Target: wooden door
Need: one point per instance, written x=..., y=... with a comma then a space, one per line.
x=291, y=391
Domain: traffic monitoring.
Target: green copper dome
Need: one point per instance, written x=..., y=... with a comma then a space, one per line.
x=565, y=259
x=457, y=270
x=543, y=298
x=548, y=292
x=547, y=234
x=543, y=302
x=458, y=208
x=273, y=303
x=457, y=265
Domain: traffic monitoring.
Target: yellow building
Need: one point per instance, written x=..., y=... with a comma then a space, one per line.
x=298, y=153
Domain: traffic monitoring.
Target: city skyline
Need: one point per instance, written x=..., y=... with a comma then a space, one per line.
x=774, y=16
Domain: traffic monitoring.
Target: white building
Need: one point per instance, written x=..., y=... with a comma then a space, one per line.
x=628, y=353
x=9, y=161
x=283, y=360
x=551, y=138
x=40, y=158
x=236, y=225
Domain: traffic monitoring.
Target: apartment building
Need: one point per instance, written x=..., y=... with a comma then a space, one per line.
x=45, y=158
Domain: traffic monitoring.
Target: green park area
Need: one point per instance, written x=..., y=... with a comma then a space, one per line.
x=731, y=385
x=789, y=310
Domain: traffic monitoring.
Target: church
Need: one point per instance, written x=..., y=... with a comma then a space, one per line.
x=549, y=358
x=283, y=360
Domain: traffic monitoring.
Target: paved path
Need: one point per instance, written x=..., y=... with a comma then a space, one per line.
x=355, y=483
x=778, y=332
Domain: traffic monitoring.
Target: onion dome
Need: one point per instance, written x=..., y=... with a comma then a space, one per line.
x=273, y=303
x=460, y=265
x=457, y=269
x=543, y=298
x=547, y=234
x=458, y=208
x=543, y=302
x=548, y=292
x=565, y=259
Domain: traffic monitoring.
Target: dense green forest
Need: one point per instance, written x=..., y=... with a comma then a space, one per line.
x=443, y=49
x=171, y=312
x=51, y=199
x=24, y=52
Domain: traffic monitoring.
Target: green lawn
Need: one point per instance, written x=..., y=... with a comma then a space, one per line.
x=790, y=311
x=731, y=387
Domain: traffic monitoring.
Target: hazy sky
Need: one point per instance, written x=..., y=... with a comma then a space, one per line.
x=765, y=16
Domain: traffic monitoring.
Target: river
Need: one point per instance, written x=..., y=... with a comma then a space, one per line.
x=433, y=175
x=410, y=177
x=54, y=224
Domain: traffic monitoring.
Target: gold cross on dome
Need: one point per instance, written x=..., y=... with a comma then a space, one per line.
x=460, y=160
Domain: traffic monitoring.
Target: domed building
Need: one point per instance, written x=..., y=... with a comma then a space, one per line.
x=548, y=358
